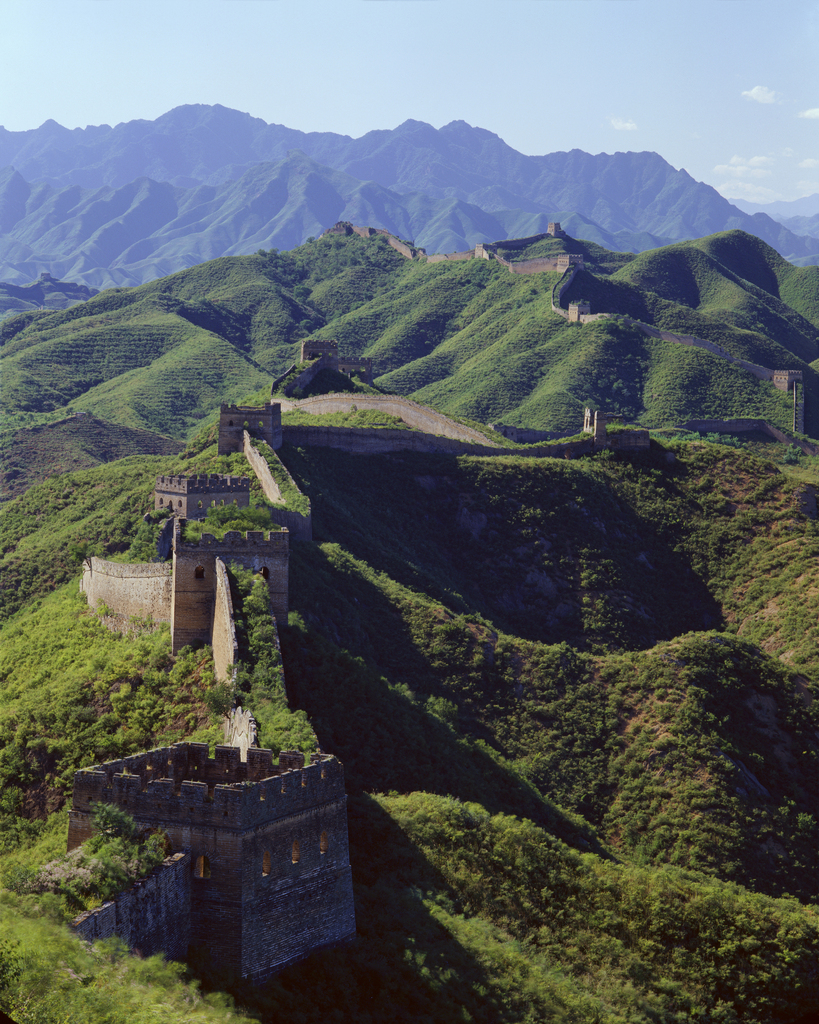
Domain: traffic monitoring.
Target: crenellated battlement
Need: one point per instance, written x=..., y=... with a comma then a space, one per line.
x=202, y=483
x=275, y=542
x=181, y=784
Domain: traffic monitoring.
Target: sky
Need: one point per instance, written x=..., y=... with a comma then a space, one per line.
x=726, y=89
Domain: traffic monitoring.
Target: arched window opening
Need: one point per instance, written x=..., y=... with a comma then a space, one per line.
x=200, y=503
x=323, y=843
x=230, y=423
x=179, y=503
x=261, y=424
x=222, y=501
x=265, y=572
x=266, y=863
x=296, y=851
x=200, y=572
x=202, y=867
x=160, y=503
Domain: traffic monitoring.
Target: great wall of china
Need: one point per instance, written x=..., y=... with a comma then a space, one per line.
x=569, y=264
x=262, y=858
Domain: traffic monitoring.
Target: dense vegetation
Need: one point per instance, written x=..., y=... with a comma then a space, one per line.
x=467, y=337
x=576, y=700
x=581, y=688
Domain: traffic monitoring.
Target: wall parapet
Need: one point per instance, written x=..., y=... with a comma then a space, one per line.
x=143, y=590
x=299, y=526
x=422, y=417
x=153, y=916
x=182, y=783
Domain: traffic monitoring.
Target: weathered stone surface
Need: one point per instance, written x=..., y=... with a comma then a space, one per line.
x=269, y=872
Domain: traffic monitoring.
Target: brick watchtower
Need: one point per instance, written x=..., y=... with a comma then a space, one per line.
x=264, y=422
x=190, y=496
x=195, y=577
x=269, y=874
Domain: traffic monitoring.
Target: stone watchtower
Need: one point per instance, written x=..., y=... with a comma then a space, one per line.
x=195, y=577
x=578, y=310
x=269, y=879
x=264, y=422
x=190, y=496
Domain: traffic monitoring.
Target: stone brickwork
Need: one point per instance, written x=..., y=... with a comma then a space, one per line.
x=300, y=527
x=194, y=578
x=577, y=310
x=783, y=379
x=223, y=629
x=264, y=422
x=190, y=496
x=363, y=441
x=269, y=862
x=141, y=590
x=153, y=916
x=315, y=348
x=414, y=415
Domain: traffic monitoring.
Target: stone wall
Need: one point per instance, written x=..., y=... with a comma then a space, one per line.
x=363, y=441
x=141, y=590
x=419, y=416
x=451, y=257
x=223, y=631
x=191, y=496
x=264, y=422
x=270, y=879
x=300, y=527
x=194, y=578
x=153, y=916
x=740, y=426
x=305, y=378
x=369, y=441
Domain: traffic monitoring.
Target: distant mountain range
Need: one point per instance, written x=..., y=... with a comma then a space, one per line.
x=124, y=205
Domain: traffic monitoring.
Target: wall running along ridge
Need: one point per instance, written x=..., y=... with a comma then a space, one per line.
x=414, y=415
x=223, y=630
x=363, y=441
x=144, y=591
x=270, y=878
x=153, y=916
x=300, y=527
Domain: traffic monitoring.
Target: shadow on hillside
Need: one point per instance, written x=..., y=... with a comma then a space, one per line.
x=404, y=966
x=547, y=550
x=387, y=740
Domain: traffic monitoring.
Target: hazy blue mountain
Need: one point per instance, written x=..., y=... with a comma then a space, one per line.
x=783, y=210
x=146, y=229
x=154, y=196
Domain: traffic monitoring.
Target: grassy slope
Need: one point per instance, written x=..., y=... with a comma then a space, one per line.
x=468, y=337
x=485, y=631
x=30, y=454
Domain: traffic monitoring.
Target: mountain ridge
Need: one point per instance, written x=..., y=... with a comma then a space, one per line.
x=622, y=196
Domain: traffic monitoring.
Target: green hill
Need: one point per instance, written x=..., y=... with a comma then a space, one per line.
x=576, y=702
x=469, y=338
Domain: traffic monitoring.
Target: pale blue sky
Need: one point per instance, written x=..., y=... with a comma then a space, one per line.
x=727, y=89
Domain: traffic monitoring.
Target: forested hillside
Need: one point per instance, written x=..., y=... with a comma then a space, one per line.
x=467, y=337
x=576, y=705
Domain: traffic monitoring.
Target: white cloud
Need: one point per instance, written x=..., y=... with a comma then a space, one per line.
x=760, y=94
x=808, y=188
x=740, y=167
x=812, y=113
x=808, y=163
x=623, y=126
x=745, y=190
